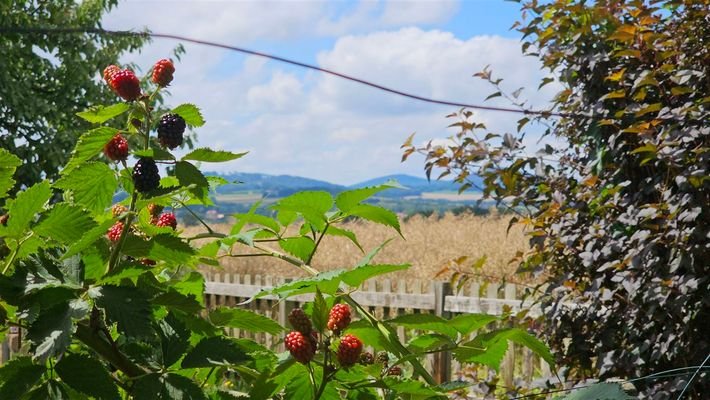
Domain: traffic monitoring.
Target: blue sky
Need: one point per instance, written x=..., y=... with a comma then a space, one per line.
x=300, y=122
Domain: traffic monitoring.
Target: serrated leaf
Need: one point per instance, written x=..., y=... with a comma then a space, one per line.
x=49, y=390
x=127, y=306
x=87, y=375
x=350, y=198
x=65, y=223
x=251, y=218
x=167, y=387
x=311, y=205
x=489, y=348
x=174, y=339
x=356, y=276
x=18, y=376
x=319, y=316
x=169, y=248
x=376, y=214
x=467, y=323
x=208, y=155
x=301, y=247
x=430, y=341
x=244, y=319
x=101, y=114
x=192, y=284
x=371, y=255
x=335, y=231
x=601, y=391
x=299, y=387
x=187, y=174
x=214, y=351
x=425, y=322
x=88, y=239
x=327, y=282
x=23, y=208
x=92, y=185
x=8, y=164
x=174, y=300
x=190, y=113
x=89, y=145
x=51, y=333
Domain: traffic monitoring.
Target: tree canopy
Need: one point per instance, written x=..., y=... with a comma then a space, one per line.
x=46, y=78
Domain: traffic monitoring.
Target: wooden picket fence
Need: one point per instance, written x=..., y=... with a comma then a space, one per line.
x=388, y=299
x=385, y=299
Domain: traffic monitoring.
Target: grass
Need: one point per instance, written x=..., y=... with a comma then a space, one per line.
x=429, y=243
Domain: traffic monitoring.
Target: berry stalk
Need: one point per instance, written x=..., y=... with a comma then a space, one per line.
x=116, y=252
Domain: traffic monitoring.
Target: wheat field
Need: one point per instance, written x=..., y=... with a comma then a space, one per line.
x=429, y=243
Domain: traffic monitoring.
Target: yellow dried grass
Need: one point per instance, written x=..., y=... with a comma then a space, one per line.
x=429, y=243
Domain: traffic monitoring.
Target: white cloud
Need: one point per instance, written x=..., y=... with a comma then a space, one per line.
x=317, y=125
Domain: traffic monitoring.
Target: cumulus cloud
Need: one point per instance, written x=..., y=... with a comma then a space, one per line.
x=316, y=125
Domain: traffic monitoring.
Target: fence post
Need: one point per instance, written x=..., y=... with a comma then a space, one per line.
x=442, y=360
x=508, y=367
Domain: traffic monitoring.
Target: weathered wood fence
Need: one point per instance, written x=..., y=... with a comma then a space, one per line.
x=388, y=299
x=385, y=299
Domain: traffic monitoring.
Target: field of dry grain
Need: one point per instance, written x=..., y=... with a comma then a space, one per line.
x=428, y=244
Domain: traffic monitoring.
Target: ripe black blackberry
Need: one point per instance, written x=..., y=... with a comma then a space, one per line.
x=170, y=130
x=145, y=175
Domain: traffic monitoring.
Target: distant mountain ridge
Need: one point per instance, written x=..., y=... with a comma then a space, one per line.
x=284, y=185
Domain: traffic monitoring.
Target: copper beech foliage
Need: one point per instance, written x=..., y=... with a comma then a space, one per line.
x=618, y=211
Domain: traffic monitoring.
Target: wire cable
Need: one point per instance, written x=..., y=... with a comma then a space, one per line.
x=544, y=113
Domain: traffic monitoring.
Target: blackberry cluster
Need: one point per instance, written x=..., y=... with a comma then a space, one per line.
x=145, y=175
x=170, y=130
x=300, y=347
x=300, y=321
x=349, y=350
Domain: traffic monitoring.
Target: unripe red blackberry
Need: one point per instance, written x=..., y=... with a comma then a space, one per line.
x=167, y=219
x=300, y=347
x=163, y=72
x=109, y=72
x=117, y=148
x=394, y=371
x=367, y=358
x=147, y=262
x=3, y=219
x=170, y=130
x=349, y=350
x=300, y=321
x=118, y=209
x=145, y=175
x=125, y=84
x=339, y=318
x=114, y=232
